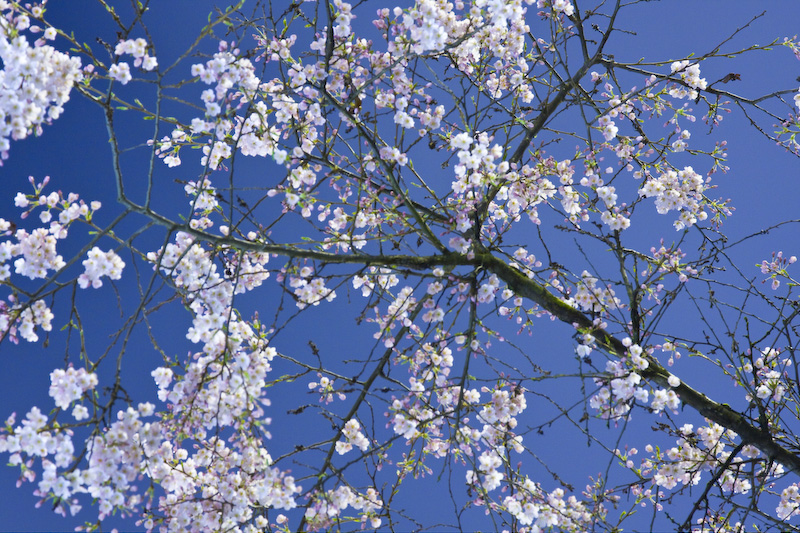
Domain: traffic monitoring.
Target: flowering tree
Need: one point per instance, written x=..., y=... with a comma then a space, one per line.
x=448, y=176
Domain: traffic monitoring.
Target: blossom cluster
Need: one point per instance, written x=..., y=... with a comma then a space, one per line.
x=775, y=268
x=559, y=6
x=423, y=24
x=426, y=412
x=690, y=74
x=328, y=507
x=37, y=256
x=376, y=278
x=608, y=128
x=113, y=457
x=222, y=385
x=37, y=250
x=789, y=505
x=233, y=480
x=528, y=503
x=669, y=260
x=534, y=507
x=591, y=296
x=99, y=264
x=35, y=81
x=430, y=367
x=310, y=290
x=121, y=71
x=194, y=271
x=326, y=389
x=35, y=315
x=678, y=191
x=475, y=169
x=498, y=419
x=234, y=85
x=129, y=446
x=138, y=49
x=203, y=195
x=622, y=387
x=353, y=437
x=766, y=376
x=699, y=451
x=397, y=314
x=487, y=290
x=528, y=188
x=69, y=385
x=498, y=26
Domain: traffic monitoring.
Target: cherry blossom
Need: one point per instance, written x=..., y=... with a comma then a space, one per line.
x=461, y=174
x=36, y=81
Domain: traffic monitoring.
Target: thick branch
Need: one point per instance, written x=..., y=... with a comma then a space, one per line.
x=722, y=414
x=717, y=412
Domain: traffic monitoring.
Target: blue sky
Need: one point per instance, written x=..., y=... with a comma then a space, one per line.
x=762, y=185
